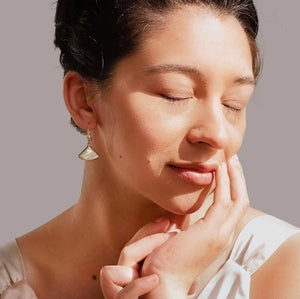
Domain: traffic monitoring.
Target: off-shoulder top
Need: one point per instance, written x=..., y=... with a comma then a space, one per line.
x=257, y=241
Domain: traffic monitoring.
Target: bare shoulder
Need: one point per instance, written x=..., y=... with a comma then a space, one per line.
x=279, y=276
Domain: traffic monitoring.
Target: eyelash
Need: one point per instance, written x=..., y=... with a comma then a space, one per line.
x=173, y=99
x=233, y=109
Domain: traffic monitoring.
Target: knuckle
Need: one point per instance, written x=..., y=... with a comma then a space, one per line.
x=219, y=239
x=125, y=253
x=105, y=272
x=212, y=241
x=226, y=204
x=215, y=245
x=126, y=250
x=243, y=204
x=220, y=243
x=106, y=276
x=224, y=238
x=105, y=281
x=122, y=259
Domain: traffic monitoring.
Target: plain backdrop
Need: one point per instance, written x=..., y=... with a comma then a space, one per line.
x=40, y=174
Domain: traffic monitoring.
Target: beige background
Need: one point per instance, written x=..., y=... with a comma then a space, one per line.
x=40, y=174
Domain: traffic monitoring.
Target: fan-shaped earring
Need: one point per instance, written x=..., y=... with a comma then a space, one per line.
x=88, y=154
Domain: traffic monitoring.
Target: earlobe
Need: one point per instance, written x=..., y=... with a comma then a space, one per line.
x=76, y=101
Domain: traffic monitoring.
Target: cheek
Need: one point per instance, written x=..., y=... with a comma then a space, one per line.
x=147, y=125
x=235, y=140
x=108, y=122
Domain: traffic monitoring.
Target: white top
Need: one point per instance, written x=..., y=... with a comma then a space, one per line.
x=258, y=240
x=12, y=274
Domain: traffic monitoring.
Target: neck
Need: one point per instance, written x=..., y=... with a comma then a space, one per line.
x=112, y=214
x=92, y=233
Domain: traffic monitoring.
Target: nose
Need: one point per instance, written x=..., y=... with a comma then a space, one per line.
x=209, y=126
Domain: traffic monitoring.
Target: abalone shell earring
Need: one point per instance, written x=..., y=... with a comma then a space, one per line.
x=88, y=154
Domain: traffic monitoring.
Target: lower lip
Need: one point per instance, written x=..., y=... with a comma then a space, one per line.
x=194, y=177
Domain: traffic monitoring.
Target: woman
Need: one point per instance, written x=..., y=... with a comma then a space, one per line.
x=160, y=88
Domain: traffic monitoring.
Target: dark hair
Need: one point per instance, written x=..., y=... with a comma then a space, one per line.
x=93, y=35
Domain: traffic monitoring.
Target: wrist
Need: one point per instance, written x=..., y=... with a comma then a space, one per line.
x=168, y=290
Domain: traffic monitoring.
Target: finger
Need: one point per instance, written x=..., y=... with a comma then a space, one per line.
x=239, y=194
x=219, y=210
x=133, y=253
x=158, y=226
x=139, y=287
x=114, y=278
x=237, y=181
x=119, y=275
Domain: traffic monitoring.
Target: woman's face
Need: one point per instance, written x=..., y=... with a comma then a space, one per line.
x=177, y=107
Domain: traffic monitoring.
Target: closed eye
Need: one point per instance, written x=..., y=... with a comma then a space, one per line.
x=232, y=108
x=174, y=99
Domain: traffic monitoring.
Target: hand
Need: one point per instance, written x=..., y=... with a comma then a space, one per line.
x=123, y=280
x=186, y=255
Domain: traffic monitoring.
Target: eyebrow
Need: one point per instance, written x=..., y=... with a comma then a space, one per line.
x=172, y=68
x=192, y=71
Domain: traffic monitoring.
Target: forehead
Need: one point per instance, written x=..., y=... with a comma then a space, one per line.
x=197, y=35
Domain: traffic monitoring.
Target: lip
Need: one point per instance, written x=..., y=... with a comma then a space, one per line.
x=200, y=174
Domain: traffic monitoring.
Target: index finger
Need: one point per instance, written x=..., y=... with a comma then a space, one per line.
x=160, y=225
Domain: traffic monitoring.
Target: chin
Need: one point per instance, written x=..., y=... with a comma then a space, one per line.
x=186, y=204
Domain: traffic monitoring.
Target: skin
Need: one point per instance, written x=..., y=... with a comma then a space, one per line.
x=138, y=130
x=142, y=132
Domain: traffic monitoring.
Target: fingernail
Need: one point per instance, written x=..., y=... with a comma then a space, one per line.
x=173, y=229
x=173, y=233
x=235, y=159
x=152, y=278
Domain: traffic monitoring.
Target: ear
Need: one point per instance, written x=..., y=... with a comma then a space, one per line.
x=77, y=102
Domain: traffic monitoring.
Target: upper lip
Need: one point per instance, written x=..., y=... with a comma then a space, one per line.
x=199, y=167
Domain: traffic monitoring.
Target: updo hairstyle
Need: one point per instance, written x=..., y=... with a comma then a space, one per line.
x=94, y=35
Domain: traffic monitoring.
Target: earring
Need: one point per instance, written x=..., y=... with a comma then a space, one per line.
x=88, y=154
